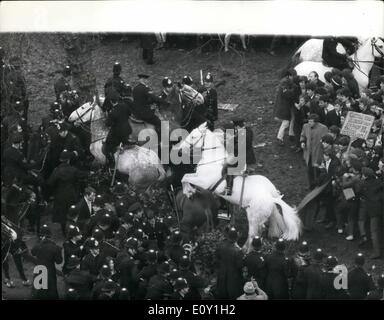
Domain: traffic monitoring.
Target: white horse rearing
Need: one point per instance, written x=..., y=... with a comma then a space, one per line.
x=260, y=196
x=363, y=59
x=143, y=165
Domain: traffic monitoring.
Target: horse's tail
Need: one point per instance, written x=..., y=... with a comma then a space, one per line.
x=287, y=224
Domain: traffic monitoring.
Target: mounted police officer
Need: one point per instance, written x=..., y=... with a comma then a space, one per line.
x=335, y=59
x=210, y=101
x=63, y=83
x=115, y=86
x=242, y=139
x=117, y=120
x=142, y=100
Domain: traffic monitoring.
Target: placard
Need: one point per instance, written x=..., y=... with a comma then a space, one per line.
x=357, y=125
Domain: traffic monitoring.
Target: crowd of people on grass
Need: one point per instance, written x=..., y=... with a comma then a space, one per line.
x=118, y=246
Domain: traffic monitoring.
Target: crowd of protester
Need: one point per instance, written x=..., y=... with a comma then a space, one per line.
x=315, y=112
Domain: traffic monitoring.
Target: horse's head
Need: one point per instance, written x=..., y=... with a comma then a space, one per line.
x=196, y=138
x=377, y=47
x=84, y=113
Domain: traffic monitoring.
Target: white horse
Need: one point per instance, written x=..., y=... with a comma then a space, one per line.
x=260, y=197
x=141, y=164
x=312, y=49
x=363, y=59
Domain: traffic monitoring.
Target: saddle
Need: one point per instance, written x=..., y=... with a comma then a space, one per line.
x=135, y=120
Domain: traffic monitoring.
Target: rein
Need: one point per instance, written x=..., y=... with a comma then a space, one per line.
x=373, y=47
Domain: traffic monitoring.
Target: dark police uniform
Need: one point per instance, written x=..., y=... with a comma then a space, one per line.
x=60, y=86
x=16, y=166
x=48, y=254
x=142, y=98
x=331, y=57
x=119, y=128
x=71, y=142
x=64, y=181
x=70, y=248
x=210, y=104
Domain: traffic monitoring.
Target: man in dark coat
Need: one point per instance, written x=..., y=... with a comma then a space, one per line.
x=371, y=190
x=116, y=82
x=15, y=164
x=181, y=289
x=299, y=266
x=330, y=291
x=64, y=140
x=71, y=246
x=92, y=261
x=127, y=266
x=63, y=84
x=175, y=250
x=148, y=42
x=47, y=254
x=195, y=282
x=359, y=282
x=255, y=262
x=13, y=119
x=143, y=97
x=328, y=170
x=313, y=276
x=230, y=262
x=64, y=182
x=313, y=77
x=79, y=280
x=287, y=94
x=159, y=287
x=85, y=207
x=276, y=283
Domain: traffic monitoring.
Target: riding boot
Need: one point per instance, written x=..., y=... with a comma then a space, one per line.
x=110, y=160
x=228, y=190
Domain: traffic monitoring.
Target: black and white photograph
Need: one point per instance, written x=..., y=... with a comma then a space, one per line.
x=192, y=150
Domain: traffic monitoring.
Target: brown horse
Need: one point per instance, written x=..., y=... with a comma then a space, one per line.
x=197, y=214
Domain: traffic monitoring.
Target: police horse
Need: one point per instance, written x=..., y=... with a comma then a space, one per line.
x=258, y=196
x=363, y=59
x=141, y=164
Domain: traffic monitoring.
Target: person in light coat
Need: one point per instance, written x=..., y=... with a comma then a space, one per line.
x=310, y=140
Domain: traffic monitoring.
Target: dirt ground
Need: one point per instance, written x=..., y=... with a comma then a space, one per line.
x=251, y=79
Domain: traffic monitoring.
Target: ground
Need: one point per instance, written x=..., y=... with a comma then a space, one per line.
x=251, y=79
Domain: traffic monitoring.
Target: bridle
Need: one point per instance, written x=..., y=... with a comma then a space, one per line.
x=374, y=47
x=83, y=124
x=80, y=117
x=202, y=137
